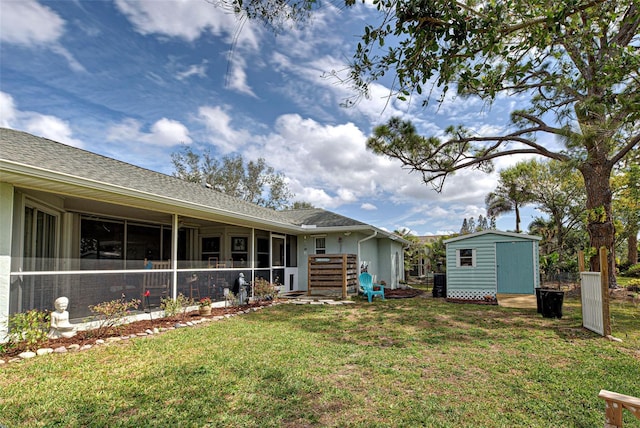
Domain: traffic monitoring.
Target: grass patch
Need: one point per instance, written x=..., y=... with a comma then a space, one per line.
x=400, y=363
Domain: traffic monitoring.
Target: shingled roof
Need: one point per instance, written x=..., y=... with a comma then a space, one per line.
x=319, y=218
x=44, y=154
x=37, y=156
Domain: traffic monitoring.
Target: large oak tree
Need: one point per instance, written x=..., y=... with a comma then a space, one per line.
x=576, y=61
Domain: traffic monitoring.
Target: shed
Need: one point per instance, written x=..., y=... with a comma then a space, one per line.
x=490, y=262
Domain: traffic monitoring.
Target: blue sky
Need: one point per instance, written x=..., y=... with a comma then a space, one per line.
x=136, y=80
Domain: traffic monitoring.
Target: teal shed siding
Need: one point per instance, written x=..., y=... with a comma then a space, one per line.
x=476, y=282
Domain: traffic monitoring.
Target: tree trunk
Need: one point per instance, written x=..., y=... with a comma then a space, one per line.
x=559, y=238
x=632, y=246
x=599, y=216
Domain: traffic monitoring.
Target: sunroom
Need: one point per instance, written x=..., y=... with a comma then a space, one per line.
x=92, y=251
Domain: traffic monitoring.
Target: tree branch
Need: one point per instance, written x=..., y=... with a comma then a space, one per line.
x=635, y=140
x=543, y=19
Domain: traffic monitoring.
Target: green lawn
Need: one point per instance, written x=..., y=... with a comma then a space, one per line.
x=399, y=363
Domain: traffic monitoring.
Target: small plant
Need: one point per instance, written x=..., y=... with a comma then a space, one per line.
x=28, y=327
x=110, y=315
x=205, y=301
x=176, y=307
x=633, y=271
x=264, y=290
x=230, y=298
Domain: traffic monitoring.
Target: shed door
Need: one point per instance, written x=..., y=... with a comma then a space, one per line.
x=515, y=267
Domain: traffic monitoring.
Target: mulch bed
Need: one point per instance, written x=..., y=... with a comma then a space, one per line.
x=400, y=293
x=89, y=337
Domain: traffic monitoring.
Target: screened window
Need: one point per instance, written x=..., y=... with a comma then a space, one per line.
x=321, y=246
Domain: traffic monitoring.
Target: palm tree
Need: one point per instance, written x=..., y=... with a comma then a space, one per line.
x=511, y=194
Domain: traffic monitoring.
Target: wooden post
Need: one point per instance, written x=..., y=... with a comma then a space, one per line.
x=604, y=288
x=580, y=261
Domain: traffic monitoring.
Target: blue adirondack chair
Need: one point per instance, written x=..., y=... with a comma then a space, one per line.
x=369, y=288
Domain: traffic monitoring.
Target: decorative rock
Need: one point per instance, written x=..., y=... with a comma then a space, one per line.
x=113, y=339
x=73, y=347
x=142, y=334
x=27, y=354
x=189, y=323
x=15, y=360
x=100, y=342
x=44, y=351
x=85, y=347
x=60, y=350
x=3, y=362
x=148, y=331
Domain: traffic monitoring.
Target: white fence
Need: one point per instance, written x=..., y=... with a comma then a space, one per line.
x=591, y=290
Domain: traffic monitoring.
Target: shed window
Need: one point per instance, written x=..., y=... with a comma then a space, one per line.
x=466, y=257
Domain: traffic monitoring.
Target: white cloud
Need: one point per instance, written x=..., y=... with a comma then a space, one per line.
x=236, y=79
x=188, y=20
x=193, y=70
x=29, y=23
x=164, y=133
x=226, y=136
x=38, y=124
x=368, y=206
x=7, y=110
x=53, y=128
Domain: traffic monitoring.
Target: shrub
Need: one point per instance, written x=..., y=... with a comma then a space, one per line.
x=30, y=327
x=634, y=271
x=176, y=307
x=264, y=290
x=110, y=315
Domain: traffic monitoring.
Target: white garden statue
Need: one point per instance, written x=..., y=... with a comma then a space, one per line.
x=60, y=325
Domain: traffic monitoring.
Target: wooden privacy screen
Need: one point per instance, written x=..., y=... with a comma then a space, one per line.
x=332, y=273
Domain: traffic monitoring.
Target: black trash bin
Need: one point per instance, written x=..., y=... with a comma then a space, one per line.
x=539, y=299
x=439, y=285
x=551, y=303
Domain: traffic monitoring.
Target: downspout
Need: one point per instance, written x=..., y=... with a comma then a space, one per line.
x=174, y=256
x=375, y=233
